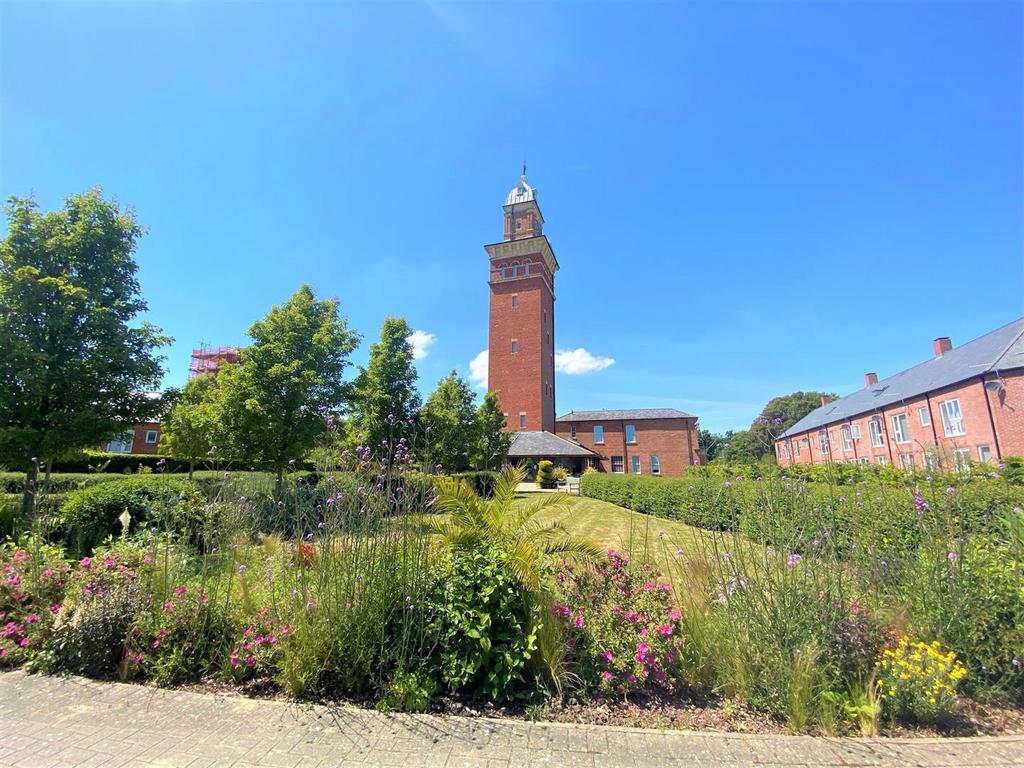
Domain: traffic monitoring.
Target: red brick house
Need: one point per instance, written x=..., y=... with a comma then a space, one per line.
x=141, y=438
x=521, y=366
x=963, y=405
x=636, y=441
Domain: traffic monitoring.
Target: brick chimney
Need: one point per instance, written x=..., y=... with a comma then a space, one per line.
x=870, y=379
x=942, y=345
x=826, y=399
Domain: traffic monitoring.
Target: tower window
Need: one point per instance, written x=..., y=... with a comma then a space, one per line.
x=515, y=300
x=522, y=421
x=515, y=346
x=598, y=434
x=526, y=269
x=572, y=431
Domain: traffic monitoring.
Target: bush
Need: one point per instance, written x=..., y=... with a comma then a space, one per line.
x=91, y=515
x=32, y=577
x=483, y=481
x=478, y=620
x=546, y=474
x=624, y=631
x=702, y=498
x=918, y=680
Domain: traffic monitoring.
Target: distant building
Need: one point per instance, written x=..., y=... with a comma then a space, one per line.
x=141, y=438
x=635, y=441
x=963, y=405
x=521, y=366
x=209, y=360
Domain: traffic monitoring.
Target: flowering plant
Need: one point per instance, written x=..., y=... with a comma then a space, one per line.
x=624, y=631
x=32, y=578
x=918, y=679
x=259, y=650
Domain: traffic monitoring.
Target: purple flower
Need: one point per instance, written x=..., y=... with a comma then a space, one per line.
x=952, y=556
x=793, y=559
x=950, y=490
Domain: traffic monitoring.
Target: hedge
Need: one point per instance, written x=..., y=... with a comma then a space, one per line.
x=483, y=481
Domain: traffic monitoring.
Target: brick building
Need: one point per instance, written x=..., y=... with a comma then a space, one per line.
x=521, y=366
x=141, y=438
x=638, y=441
x=965, y=404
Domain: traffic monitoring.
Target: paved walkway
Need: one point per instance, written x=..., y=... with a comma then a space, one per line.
x=51, y=722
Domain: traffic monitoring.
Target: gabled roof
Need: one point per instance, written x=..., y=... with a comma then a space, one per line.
x=626, y=414
x=998, y=350
x=544, y=445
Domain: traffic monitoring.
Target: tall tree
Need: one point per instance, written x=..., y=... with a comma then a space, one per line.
x=491, y=441
x=273, y=400
x=779, y=415
x=193, y=426
x=449, y=421
x=74, y=367
x=386, y=403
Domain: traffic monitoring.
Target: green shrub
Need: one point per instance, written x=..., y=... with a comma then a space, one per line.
x=478, y=621
x=91, y=514
x=546, y=474
x=483, y=481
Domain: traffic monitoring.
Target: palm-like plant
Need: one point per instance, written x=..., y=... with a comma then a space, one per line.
x=472, y=523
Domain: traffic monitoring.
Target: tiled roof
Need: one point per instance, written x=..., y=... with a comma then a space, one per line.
x=626, y=414
x=998, y=350
x=544, y=445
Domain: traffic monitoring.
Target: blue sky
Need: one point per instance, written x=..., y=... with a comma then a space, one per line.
x=745, y=199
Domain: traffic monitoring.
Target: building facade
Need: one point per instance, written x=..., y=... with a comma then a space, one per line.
x=141, y=438
x=521, y=331
x=640, y=441
x=964, y=405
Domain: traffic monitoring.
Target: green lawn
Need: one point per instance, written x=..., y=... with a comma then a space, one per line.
x=644, y=538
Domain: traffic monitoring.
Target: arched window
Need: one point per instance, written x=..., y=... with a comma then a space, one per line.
x=526, y=268
x=515, y=269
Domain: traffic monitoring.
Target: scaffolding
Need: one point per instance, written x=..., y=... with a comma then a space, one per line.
x=208, y=360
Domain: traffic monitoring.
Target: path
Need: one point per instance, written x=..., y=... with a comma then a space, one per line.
x=76, y=723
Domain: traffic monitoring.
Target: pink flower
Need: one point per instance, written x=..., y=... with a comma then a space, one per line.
x=234, y=658
x=648, y=586
x=250, y=661
x=86, y=562
x=641, y=652
x=156, y=644
x=578, y=622
x=665, y=630
x=23, y=642
x=608, y=656
x=606, y=676
x=675, y=615
x=31, y=618
x=180, y=589
x=54, y=608
x=20, y=556
x=169, y=606
x=272, y=639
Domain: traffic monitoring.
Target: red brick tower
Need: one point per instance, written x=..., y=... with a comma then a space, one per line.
x=521, y=356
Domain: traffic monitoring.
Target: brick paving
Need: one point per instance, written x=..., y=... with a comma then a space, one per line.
x=55, y=722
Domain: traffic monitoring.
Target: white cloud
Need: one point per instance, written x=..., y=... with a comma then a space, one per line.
x=577, y=361
x=478, y=370
x=421, y=343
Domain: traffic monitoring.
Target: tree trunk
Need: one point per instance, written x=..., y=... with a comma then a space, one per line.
x=28, y=499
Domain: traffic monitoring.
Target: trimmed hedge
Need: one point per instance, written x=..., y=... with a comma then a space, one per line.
x=483, y=481
x=700, y=499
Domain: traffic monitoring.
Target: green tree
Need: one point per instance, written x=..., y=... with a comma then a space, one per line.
x=272, y=403
x=779, y=415
x=75, y=369
x=491, y=441
x=449, y=422
x=193, y=426
x=386, y=403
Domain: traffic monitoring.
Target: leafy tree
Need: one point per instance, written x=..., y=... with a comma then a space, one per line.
x=193, y=426
x=491, y=441
x=74, y=370
x=779, y=415
x=385, y=402
x=272, y=402
x=449, y=421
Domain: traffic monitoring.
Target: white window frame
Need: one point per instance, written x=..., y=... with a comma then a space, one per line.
x=622, y=465
x=637, y=464
x=156, y=436
x=655, y=464
x=876, y=432
x=962, y=459
x=855, y=431
x=883, y=460
x=599, y=430
x=629, y=428
x=924, y=416
x=907, y=461
x=930, y=462
x=864, y=460
x=796, y=452
x=900, y=430
x=823, y=440
x=987, y=450
x=847, y=435
x=121, y=444
x=952, y=423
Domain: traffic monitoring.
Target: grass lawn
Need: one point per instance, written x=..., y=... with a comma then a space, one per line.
x=642, y=537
